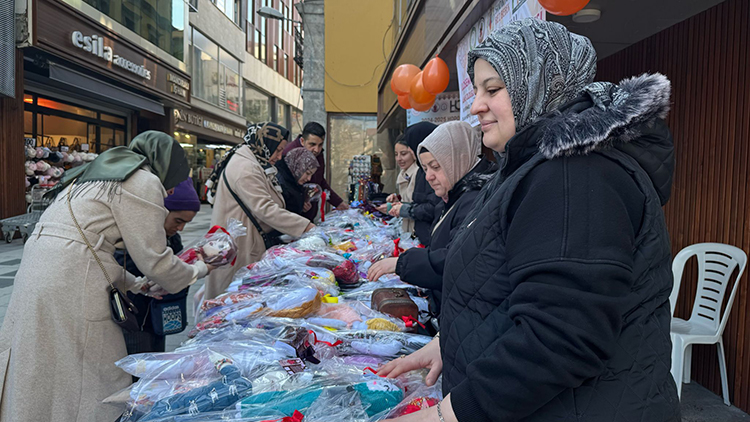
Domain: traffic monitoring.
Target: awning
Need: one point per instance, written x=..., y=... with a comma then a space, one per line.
x=104, y=90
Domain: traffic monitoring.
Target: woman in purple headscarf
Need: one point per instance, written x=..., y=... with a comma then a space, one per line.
x=183, y=204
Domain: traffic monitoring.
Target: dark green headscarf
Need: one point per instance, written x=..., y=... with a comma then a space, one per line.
x=160, y=151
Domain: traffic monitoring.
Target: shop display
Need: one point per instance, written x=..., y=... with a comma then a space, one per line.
x=298, y=335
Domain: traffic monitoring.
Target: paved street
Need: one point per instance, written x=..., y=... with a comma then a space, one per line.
x=11, y=253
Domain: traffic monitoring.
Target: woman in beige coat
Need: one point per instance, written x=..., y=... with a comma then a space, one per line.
x=58, y=342
x=251, y=174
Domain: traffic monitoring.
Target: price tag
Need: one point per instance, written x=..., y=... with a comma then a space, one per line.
x=84, y=147
x=292, y=366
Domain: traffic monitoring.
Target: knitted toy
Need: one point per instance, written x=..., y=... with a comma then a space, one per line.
x=217, y=247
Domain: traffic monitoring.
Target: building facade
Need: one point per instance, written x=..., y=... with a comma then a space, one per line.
x=91, y=74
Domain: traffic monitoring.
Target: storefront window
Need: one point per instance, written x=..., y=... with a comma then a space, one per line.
x=257, y=105
x=349, y=136
x=162, y=22
x=59, y=123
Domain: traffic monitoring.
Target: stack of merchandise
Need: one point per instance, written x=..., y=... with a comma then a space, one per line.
x=297, y=336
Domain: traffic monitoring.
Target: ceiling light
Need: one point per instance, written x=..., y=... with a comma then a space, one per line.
x=587, y=16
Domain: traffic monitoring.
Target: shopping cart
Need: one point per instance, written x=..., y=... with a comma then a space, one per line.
x=25, y=223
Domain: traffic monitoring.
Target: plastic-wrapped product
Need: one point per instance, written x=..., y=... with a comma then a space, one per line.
x=421, y=398
x=376, y=395
x=215, y=396
x=217, y=247
x=382, y=344
x=282, y=302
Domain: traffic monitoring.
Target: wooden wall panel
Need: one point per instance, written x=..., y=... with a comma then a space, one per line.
x=12, y=156
x=706, y=57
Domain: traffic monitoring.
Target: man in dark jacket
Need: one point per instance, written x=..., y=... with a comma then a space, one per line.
x=312, y=139
x=183, y=204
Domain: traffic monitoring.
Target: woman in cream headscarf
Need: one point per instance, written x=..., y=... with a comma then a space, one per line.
x=450, y=157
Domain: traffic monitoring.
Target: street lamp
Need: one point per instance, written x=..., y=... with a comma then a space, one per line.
x=271, y=13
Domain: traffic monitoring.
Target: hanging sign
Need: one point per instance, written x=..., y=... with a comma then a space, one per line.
x=447, y=108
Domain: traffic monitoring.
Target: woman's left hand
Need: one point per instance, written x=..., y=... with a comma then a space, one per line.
x=306, y=207
x=395, y=209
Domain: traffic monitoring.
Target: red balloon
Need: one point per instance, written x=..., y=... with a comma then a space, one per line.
x=421, y=106
x=435, y=76
x=417, y=91
x=563, y=7
x=401, y=79
x=403, y=101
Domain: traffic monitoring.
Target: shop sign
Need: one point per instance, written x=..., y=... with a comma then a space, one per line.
x=200, y=121
x=178, y=85
x=500, y=14
x=447, y=108
x=94, y=44
x=64, y=31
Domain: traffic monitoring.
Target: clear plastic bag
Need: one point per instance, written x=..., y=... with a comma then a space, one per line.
x=291, y=301
x=217, y=247
x=229, y=388
x=423, y=397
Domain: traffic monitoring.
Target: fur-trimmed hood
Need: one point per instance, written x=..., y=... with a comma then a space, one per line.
x=629, y=117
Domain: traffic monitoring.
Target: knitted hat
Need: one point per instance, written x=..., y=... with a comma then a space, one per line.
x=184, y=198
x=300, y=160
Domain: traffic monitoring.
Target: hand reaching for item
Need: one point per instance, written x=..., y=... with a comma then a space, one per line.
x=392, y=198
x=426, y=357
x=395, y=209
x=342, y=207
x=381, y=268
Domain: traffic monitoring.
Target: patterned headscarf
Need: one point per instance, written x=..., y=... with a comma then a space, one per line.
x=300, y=160
x=542, y=64
x=263, y=139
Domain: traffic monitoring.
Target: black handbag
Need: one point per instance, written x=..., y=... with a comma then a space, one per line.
x=269, y=239
x=123, y=310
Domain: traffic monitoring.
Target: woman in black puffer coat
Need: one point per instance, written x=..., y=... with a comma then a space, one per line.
x=451, y=152
x=556, y=288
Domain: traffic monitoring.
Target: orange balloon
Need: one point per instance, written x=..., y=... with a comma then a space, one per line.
x=418, y=92
x=435, y=76
x=563, y=7
x=401, y=79
x=403, y=101
x=421, y=106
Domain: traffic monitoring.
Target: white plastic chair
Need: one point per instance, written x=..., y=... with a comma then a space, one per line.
x=716, y=263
